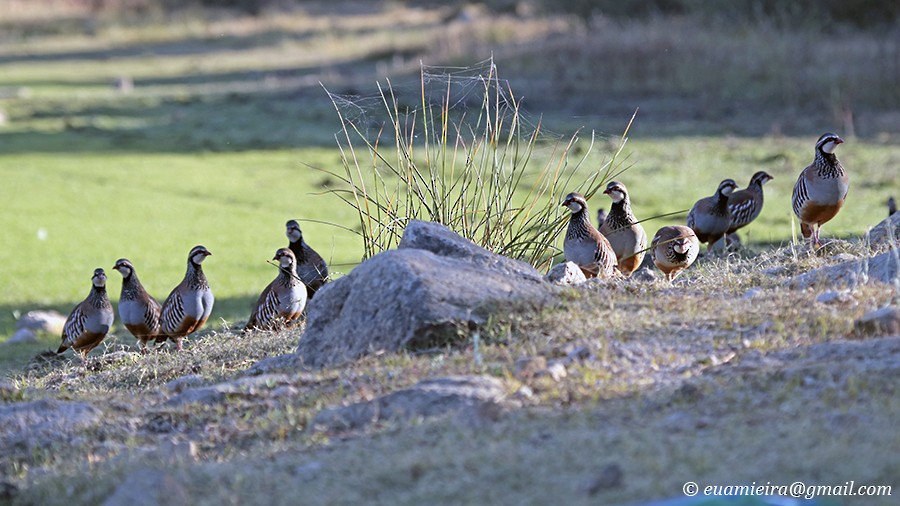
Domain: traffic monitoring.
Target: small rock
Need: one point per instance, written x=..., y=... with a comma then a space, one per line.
x=566, y=273
x=886, y=233
x=179, y=385
x=463, y=395
x=557, y=371
x=843, y=257
x=832, y=296
x=34, y=322
x=524, y=392
x=882, y=268
x=279, y=363
x=172, y=451
x=753, y=293
x=644, y=275
x=529, y=367
x=146, y=487
x=884, y=321
x=611, y=476
x=579, y=354
x=308, y=471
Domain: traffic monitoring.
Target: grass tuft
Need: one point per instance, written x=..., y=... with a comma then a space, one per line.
x=469, y=170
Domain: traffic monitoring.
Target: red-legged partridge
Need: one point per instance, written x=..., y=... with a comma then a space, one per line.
x=674, y=249
x=821, y=189
x=585, y=245
x=745, y=205
x=626, y=236
x=311, y=268
x=187, y=308
x=138, y=310
x=283, y=301
x=709, y=218
x=88, y=324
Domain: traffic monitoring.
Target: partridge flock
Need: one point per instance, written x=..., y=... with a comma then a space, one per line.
x=189, y=305
x=818, y=195
x=617, y=248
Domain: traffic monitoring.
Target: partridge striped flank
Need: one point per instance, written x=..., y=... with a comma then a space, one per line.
x=311, y=268
x=283, y=300
x=89, y=322
x=821, y=188
x=138, y=311
x=745, y=205
x=584, y=245
x=187, y=308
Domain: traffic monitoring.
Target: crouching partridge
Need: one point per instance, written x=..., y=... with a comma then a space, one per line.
x=584, y=245
x=674, y=249
x=621, y=228
x=709, y=218
x=89, y=322
x=283, y=301
x=311, y=268
x=187, y=308
x=138, y=310
x=821, y=189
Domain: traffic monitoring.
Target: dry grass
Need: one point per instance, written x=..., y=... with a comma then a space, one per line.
x=696, y=380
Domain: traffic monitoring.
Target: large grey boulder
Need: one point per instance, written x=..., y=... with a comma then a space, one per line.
x=440, y=240
x=469, y=396
x=881, y=268
x=428, y=293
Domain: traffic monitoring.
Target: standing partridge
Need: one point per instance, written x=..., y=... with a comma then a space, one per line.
x=821, y=189
x=892, y=206
x=709, y=218
x=137, y=309
x=621, y=228
x=674, y=249
x=745, y=205
x=585, y=245
x=310, y=266
x=187, y=308
x=282, y=302
x=89, y=322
